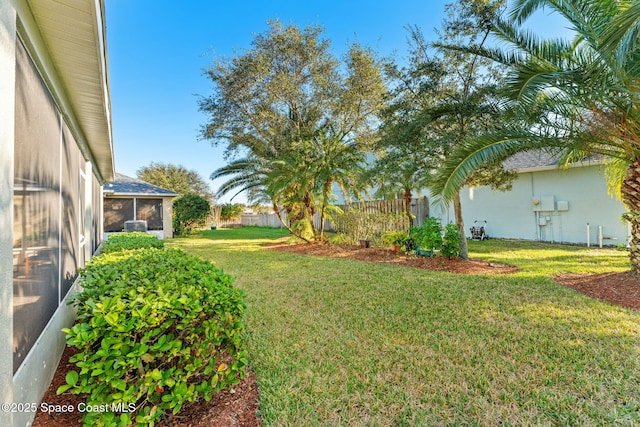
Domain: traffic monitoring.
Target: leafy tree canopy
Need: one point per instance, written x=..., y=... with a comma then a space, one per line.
x=231, y=210
x=286, y=88
x=300, y=118
x=175, y=178
x=437, y=101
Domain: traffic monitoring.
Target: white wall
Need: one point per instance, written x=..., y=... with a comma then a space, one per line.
x=511, y=214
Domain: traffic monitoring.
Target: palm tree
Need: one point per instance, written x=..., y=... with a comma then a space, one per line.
x=337, y=161
x=576, y=98
x=300, y=180
x=251, y=174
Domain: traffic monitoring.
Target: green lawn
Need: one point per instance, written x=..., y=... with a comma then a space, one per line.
x=343, y=342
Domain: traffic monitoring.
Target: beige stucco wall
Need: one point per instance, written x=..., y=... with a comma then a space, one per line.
x=167, y=217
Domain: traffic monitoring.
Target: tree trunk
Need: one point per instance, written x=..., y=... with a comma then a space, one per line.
x=310, y=213
x=631, y=196
x=325, y=201
x=407, y=206
x=457, y=210
x=276, y=209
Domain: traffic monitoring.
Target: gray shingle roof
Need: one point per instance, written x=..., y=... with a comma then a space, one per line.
x=530, y=159
x=543, y=159
x=125, y=185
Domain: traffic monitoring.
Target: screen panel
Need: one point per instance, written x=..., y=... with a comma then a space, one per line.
x=71, y=253
x=37, y=229
x=150, y=210
x=116, y=212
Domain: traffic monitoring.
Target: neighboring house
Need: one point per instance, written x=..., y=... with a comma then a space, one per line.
x=56, y=151
x=549, y=203
x=127, y=199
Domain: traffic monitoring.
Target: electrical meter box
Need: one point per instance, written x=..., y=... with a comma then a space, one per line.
x=562, y=205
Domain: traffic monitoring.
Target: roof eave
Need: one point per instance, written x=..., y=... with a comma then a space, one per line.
x=556, y=167
x=68, y=40
x=118, y=194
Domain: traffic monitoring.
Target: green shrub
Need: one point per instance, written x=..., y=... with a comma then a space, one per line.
x=451, y=242
x=398, y=238
x=156, y=328
x=231, y=210
x=428, y=237
x=189, y=212
x=135, y=240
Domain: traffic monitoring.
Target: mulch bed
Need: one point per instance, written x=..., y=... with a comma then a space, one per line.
x=621, y=289
x=232, y=407
x=387, y=256
x=238, y=406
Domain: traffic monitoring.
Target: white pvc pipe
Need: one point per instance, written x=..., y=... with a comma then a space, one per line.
x=588, y=235
x=600, y=235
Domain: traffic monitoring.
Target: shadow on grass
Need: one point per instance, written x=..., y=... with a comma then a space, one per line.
x=244, y=233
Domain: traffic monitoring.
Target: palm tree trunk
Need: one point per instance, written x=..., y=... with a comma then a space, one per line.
x=631, y=196
x=325, y=201
x=457, y=210
x=407, y=206
x=310, y=213
x=276, y=209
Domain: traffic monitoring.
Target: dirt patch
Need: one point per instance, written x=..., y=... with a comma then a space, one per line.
x=232, y=407
x=387, y=256
x=621, y=289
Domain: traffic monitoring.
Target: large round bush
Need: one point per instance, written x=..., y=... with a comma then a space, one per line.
x=156, y=328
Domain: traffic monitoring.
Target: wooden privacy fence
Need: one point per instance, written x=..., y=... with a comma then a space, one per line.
x=262, y=220
x=230, y=223
x=419, y=211
x=419, y=207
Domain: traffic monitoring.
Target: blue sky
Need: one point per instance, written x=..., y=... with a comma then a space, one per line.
x=158, y=48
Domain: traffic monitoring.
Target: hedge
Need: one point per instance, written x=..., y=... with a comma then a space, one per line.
x=156, y=328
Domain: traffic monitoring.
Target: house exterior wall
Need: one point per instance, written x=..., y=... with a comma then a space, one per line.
x=513, y=214
x=7, y=118
x=167, y=217
x=167, y=214
x=53, y=165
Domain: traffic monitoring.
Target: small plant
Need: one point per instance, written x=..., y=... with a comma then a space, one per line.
x=397, y=238
x=451, y=242
x=156, y=328
x=126, y=241
x=428, y=237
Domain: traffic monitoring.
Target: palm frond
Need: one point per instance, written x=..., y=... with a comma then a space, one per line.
x=483, y=150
